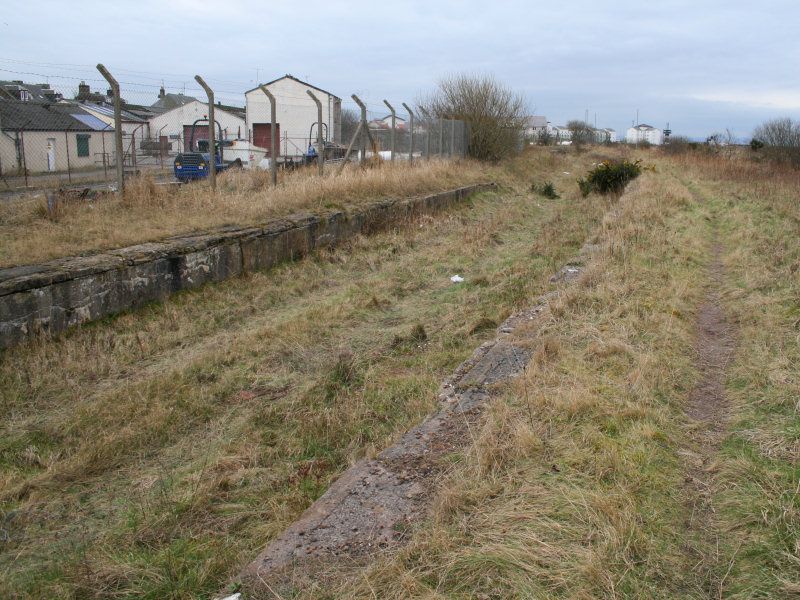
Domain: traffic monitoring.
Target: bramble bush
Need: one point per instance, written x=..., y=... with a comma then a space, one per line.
x=610, y=177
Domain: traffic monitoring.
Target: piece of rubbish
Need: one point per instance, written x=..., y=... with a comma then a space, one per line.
x=456, y=279
x=566, y=172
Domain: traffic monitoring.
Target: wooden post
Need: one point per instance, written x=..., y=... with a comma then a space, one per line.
x=320, y=141
x=394, y=123
x=117, y=128
x=212, y=167
x=273, y=137
x=364, y=132
x=411, y=125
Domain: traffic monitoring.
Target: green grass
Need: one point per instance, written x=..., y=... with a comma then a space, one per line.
x=153, y=454
x=576, y=486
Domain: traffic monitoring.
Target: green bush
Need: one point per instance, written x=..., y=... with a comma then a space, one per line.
x=610, y=177
x=547, y=189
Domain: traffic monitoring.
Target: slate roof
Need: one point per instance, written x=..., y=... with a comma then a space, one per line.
x=170, y=101
x=40, y=92
x=108, y=111
x=36, y=116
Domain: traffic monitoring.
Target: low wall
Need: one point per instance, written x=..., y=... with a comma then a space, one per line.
x=53, y=296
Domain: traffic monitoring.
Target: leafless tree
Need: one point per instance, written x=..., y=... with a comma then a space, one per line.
x=494, y=114
x=350, y=119
x=781, y=139
x=581, y=132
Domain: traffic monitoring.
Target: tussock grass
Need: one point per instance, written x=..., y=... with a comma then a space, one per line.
x=153, y=454
x=150, y=212
x=575, y=485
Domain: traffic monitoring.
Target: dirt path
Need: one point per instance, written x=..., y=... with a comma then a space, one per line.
x=708, y=411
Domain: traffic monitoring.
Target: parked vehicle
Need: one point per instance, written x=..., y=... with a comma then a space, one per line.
x=195, y=164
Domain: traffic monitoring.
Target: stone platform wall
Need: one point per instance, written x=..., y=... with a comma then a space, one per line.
x=53, y=296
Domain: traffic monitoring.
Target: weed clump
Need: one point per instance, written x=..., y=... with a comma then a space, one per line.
x=610, y=177
x=547, y=189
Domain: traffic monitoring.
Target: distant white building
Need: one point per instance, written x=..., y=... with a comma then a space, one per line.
x=644, y=133
x=296, y=115
x=559, y=133
x=605, y=136
x=535, y=125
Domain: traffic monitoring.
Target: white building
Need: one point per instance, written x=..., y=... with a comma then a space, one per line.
x=41, y=138
x=296, y=113
x=605, y=136
x=644, y=133
x=559, y=133
x=535, y=125
x=386, y=123
x=176, y=124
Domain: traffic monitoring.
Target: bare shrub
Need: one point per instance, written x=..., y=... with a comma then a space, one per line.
x=781, y=139
x=581, y=133
x=495, y=114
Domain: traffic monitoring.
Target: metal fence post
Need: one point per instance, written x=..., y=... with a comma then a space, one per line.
x=320, y=141
x=429, y=124
x=411, y=125
x=363, y=107
x=117, y=127
x=212, y=167
x=394, y=122
x=441, y=137
x=452, y=137
x=69, y=169
x=273, y=137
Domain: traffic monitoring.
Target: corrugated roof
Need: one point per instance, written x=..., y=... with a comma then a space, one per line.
x=34, y=116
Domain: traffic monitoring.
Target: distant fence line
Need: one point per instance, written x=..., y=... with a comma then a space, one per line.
x=103, y=139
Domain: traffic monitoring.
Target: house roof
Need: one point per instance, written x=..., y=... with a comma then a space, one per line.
x=170, y=101
x=535, y=121
x=35, y=116
x=40, y=92
x=643, y=127
x=293, y=78
x=108, y=111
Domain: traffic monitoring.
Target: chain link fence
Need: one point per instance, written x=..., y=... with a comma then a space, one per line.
x=96, y=131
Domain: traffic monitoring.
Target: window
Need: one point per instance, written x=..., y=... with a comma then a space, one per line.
x=83, y=144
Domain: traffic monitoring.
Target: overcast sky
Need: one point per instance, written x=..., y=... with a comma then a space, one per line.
x=701, y=65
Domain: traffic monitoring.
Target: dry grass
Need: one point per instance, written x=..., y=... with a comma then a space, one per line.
x=148, y=212
x=153, y=454
x=575, y=485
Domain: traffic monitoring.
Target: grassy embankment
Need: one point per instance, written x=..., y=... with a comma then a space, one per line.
x=152, y=454
x=148, y=212
x=580, y=483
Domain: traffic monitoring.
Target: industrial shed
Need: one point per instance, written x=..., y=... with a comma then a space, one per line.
x=295, y=114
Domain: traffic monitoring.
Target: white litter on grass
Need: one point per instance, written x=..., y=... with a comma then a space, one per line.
x=456, y=279
x=236, y=596
x=566, y=172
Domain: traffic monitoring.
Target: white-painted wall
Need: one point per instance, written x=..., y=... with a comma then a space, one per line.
x=171, y=122
x=295, y=113
x=64, y=147
x=637, y=135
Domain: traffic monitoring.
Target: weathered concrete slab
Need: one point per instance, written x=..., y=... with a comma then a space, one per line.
x=372, y=506
x=59, y=294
